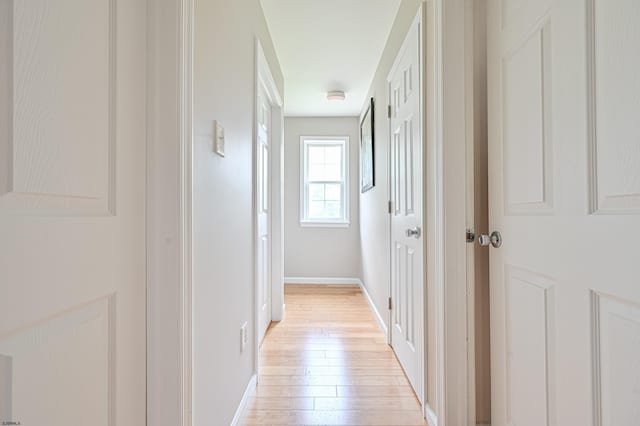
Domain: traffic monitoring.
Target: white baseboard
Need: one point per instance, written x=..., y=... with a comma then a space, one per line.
x=280, y=316
x=321, y=280
x=243, y=402
x=432, y=418
x=376, y=313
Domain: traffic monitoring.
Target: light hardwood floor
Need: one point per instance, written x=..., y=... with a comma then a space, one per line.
x=328, y=363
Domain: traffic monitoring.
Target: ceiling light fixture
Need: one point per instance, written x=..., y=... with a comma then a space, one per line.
x=335, y=95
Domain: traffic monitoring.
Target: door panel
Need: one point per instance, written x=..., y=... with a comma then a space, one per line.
x=40, y=63
x=72, y=212
x=264, y=214
x=527, y=147
x=564, y=147
x=613, y=99
x=406, y=197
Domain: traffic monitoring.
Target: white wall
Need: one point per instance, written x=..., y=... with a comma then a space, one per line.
x=374, y=217
x=222, y=190
x=320, y=252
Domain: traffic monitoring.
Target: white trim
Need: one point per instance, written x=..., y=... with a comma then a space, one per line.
x=264, y=77
x=169, y=212
x=373, y=307
x=344, y=142
x=322, y=280
x=430, y=416
x=186, y=210
x=243, y=402
x=434, y=77
x=453, y=143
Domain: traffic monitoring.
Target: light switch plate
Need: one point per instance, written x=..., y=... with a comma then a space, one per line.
x=218, y=138
x=243, y=337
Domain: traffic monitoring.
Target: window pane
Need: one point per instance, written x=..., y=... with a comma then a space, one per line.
x=325, y=201
x=316, y=192
x=333, y=154
x=317, y=210
x=325, y=163
x=324, y=210
x=332, y=209
x=332, y=192
x=316, y=154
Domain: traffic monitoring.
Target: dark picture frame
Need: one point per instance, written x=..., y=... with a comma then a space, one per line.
x=367, y=138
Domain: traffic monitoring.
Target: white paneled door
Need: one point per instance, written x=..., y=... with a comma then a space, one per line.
x=72, y=212
x=406, y=208
x=564, y=176
x=264, y=211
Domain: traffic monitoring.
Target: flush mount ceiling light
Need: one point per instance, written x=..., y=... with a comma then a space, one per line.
x=335, y=95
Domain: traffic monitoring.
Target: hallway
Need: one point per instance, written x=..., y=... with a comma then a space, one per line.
x=328, y=363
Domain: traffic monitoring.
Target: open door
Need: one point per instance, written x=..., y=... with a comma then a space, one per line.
x=564, y=150
x=72, y=212
x=407, y=244
x=263, y=212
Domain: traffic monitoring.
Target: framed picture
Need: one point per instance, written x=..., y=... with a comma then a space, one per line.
x=367, y=172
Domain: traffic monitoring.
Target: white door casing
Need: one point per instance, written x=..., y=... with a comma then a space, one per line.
x=268, y=201
x=564, y=185
x=72, y=212
x=407, y=259
x=263, y=210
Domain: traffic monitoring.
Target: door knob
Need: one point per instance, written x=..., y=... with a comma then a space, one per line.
x=414, y=232
x=495, y=239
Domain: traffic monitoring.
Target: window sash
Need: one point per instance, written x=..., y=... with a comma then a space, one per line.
x=307, y=182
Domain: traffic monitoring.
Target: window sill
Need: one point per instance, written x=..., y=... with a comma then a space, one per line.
x=325, y=224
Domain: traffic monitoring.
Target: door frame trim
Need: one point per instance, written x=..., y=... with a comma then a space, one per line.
x=169, y=212
x=264, y=76
x=169, y=209
x=433, y=88
x=445, y=156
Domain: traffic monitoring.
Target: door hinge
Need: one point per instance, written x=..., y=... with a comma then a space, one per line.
x=390, y=305
x=388, y=111
x=390, y=207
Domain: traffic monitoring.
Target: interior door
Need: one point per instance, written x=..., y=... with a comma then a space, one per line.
x=564, y=156
x=72, y=212
x=264, y=211
x=407, y=260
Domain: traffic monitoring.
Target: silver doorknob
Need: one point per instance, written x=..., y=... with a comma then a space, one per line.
x=414, y=232
x=495, y=239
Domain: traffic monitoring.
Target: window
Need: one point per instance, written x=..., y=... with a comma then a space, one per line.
x=324, y=192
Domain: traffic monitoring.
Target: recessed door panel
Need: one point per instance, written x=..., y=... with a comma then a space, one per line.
x=58, y=107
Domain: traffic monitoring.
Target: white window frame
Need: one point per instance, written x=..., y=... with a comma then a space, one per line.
x=305, y=142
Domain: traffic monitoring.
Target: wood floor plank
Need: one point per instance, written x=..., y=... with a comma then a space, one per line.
x=293, y=391
x=367, y=403
x=328, y=363
x=280, y=403
x=342, y=380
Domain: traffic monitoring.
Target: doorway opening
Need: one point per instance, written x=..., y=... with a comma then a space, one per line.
x=350, y=341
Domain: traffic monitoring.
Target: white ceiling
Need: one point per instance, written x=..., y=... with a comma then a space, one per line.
x=325, y=45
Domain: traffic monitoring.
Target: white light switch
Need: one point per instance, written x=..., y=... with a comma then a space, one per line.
x=218, y=138
x=243, y=337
